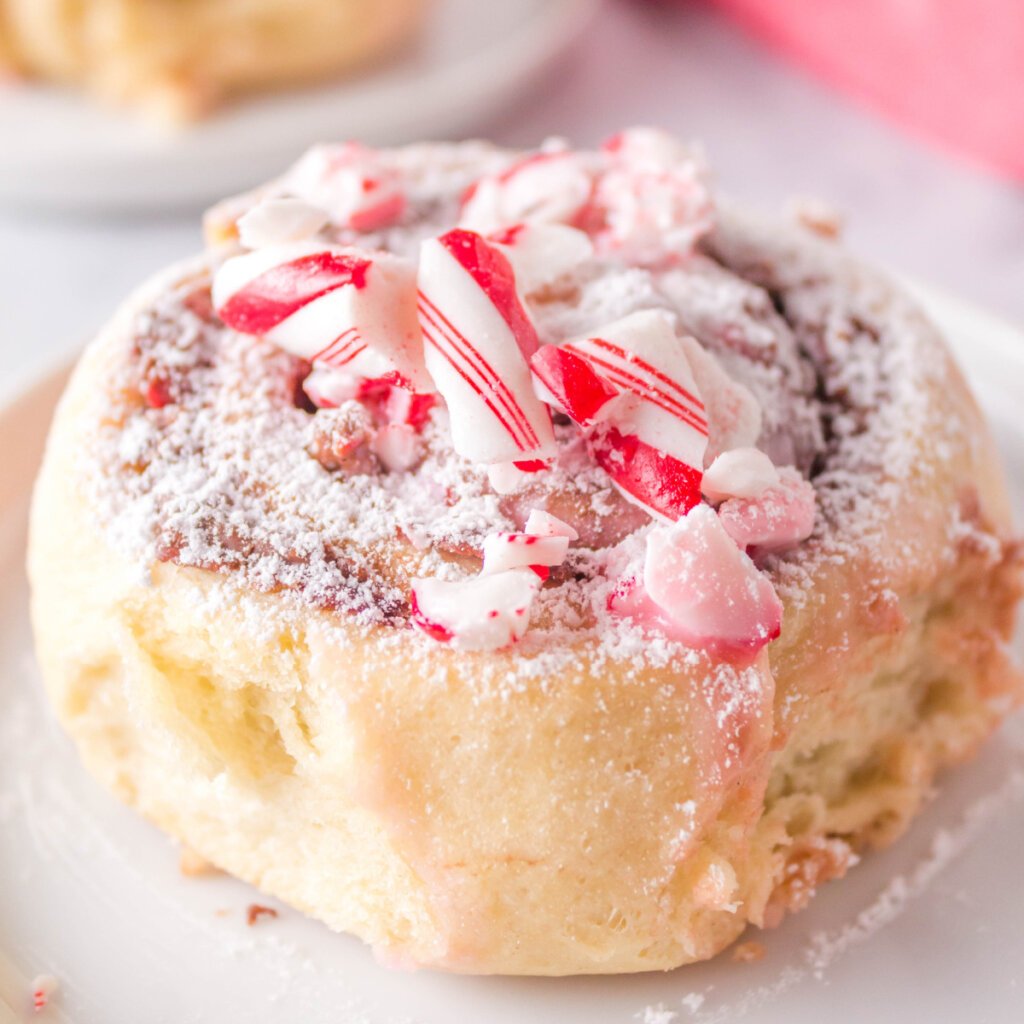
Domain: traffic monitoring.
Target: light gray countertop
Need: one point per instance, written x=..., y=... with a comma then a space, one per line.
x=770, y=133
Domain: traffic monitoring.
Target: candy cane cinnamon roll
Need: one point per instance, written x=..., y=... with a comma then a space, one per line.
x=522, y=561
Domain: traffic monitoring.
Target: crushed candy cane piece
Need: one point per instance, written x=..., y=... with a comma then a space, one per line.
x=710, y=590
x=397, y=445
x=568, y=383
x=503, y=551
x=542, y=253
x=739, y=473
x=43, y=988
x=351, y=182
x=550, y=186
x=327, y=388
x=337, y=306
x=278, y=219
x=653, y=196
x=544, y=524
x=779, y=518
x=483, y=613
x=478, y=340
x=660, y=484
x=642, y=355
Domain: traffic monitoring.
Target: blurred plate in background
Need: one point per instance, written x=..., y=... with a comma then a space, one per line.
x=62, y=150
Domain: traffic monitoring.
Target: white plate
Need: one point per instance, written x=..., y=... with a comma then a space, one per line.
x=62, y=150
x=926, y=931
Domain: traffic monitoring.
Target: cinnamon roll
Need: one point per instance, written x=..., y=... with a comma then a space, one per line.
x=526, y=562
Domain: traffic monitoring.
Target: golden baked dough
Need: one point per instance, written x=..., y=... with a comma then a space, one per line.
x=176, y=59
x=222, y=623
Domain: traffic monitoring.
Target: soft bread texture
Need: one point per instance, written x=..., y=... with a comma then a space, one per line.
x=177, y=60
x=572, y=826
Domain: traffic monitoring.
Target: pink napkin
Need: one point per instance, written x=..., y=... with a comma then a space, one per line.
x=952, y=70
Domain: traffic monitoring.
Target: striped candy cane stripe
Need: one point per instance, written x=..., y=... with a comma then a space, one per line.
x=283, y=289
x=477, y=372
x=477, y=341
x=634, y=374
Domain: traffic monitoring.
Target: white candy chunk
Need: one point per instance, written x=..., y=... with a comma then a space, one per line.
x=338, y=306
x=507, y=477
x=547, y=187
x=484, y=613
x=544, y=524
x=504, y=551
x=279, y=219
x=642, y=356
x=740, y=473
x=328, y=388
x=478, y=339
x=352, y=183
x=542, y=253
x=397, y=445
x=733, y=413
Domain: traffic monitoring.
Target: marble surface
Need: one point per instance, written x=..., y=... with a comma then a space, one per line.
x=770, y=132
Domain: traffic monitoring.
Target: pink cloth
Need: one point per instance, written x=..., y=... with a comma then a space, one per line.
x=952, y=70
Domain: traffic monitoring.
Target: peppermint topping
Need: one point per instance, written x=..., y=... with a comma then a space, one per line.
x=381, y=382
x=478, y=338
x=280, y=219
x=351, y=183
x=335, y=306
x=484, y=613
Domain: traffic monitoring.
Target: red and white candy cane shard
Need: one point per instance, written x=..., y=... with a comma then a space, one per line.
x=542, y=253
x=712, y=593
x=551, y=186
x=567, y=381
x=336, y=306
x=352, y=183
x=484, y=613
x=504, y=551
x=279, y=219
x=478, y=339
x=661, y=484
x=779, y=518
x=544, y=524
x=43, y=988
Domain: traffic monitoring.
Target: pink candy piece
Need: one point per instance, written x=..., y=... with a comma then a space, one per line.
x=351, y=183
x=279, y=219
x=484, y=613
x=542, y=253
x=779, y=518
x=503, y=551
x=337, y=306
x=740, y=473
x=654, y=201
x=397, y=445
x=546, y=187
x=568, y=382
x=544, y=524
x=478, y=340
x=710, y=591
